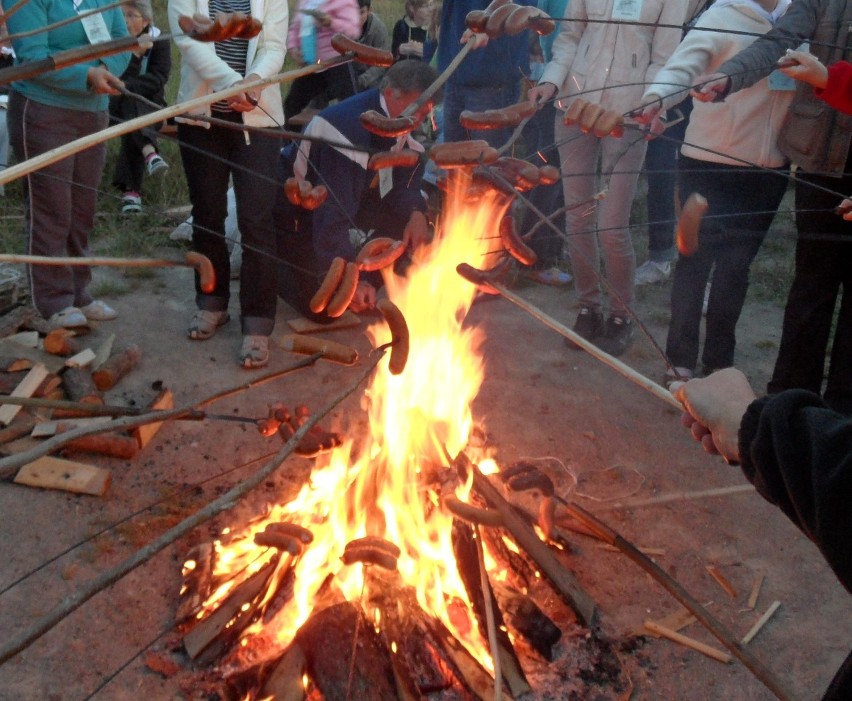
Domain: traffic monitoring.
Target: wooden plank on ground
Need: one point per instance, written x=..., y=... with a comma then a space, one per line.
x=26, y=388
x=48, y=472
x=164, y=400
x=82, y=359
x=347, y=320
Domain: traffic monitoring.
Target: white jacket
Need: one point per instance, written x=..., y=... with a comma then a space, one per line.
x=612, y=63
x=747, y=123
x=202, y=72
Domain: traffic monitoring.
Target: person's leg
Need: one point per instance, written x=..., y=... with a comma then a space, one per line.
x=255, y=189
x=204, y=153
x=660, y=170
x=813, y=294
x=34, y=129
x=453, y=106
x=748, y=201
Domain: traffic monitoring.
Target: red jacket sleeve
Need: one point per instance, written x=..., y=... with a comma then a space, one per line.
x=838, y=89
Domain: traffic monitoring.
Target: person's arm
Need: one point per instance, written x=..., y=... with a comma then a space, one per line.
x=794, y=449
x=153, y=81
x=199, y=55
x=564, y=49
x=666, y=37
x=343, y=17
x=272, y=45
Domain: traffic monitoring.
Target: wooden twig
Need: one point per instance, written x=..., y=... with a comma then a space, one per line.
x=488, y=604
x=625, y=370
x=4, y=17
x=714, y=572
x=683, y=496
x=755, y=592
x=23, y=640
x=755, y=629
x=674, y=636
x=664, y=579
x=33, y=164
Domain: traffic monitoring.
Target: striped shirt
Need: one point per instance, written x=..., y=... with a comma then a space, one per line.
x=234, y=52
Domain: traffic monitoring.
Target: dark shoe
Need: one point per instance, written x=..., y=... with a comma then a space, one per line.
x=589, y=325
x=617, y=335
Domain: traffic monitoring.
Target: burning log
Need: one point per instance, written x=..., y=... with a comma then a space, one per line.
x=528, y=621
x=197, y=582
x=216, y=633
x=564, y=582
x=467, y=559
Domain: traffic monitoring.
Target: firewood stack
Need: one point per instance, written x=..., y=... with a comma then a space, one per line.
x=68, y=370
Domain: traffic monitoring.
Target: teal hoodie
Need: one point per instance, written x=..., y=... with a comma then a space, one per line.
x=66, y=87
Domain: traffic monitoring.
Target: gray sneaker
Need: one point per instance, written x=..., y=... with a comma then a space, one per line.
x=652, y=273
x=617, y=335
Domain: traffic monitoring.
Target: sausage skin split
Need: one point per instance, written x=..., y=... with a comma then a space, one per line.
x=380, y=252
x=368, y=55
x=329, y=284
x=399, y=335
x=342, y=298
x=389, y=127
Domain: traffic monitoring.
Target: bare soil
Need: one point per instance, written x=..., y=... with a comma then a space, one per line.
x=540, y=400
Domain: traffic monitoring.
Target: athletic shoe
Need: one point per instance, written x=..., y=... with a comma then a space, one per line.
x=155, y=164
x=652, y=272
x=131, y=203
x=68, y=318
x=99, y=310
x=589, y=325
x=617, y=335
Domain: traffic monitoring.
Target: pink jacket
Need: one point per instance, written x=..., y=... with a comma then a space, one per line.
x=345, y=19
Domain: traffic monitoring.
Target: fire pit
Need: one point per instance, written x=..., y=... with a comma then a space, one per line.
x=399, y=570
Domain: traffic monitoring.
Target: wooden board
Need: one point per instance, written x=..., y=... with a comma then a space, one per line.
x=26, y=388
x=347, y=320
x=68, y=475
x=164, y=400
x=82, y=359
x=51, y=428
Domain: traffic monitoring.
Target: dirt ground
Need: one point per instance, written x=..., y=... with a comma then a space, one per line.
x=539, y=400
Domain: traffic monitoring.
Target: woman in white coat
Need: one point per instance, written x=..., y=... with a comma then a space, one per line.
x=608, y=61
x=212, y=155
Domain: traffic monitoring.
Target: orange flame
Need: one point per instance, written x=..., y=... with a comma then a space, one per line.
x=377, y=491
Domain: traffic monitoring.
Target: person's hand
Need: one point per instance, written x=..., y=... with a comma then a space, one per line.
x=711, y=88
x=245, y=101
x=844, y=209
x=365, y=297
x=541, y=93
x=102, y=82
x=411, y=48
x=416, y=231
x=651, y=116
x=478, y=40
x=714, y=408
x=804, y=66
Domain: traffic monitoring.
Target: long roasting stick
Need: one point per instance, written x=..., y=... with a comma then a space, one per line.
x=57, y=154
x=591, y=348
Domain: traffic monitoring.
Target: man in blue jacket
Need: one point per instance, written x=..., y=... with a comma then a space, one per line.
x=385, y=203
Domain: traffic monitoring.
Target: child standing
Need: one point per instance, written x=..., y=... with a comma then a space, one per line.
x=410, y=32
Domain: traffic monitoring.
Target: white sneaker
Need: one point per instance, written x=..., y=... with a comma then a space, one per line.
x=99, y=310
x=131, y=203
x=651, y=272
x=68, y=318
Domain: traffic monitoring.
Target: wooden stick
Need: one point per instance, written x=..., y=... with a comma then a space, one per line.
x=45, y=159
x=488, y=604
x=674, y=636
x=429, y=92
x=683, y=496
x=25, y=388
x=722, y=634
x=755, y=591
x=625, y=370
x=714, y=572
x=755, y=629
x=13, y=645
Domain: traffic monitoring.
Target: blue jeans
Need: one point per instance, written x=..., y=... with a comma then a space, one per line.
x=600, y=227
x=210, y=158
x=458, y=98
x=742, y=205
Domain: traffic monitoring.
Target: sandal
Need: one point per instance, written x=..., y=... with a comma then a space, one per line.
x=254, y=352
x=204, y=324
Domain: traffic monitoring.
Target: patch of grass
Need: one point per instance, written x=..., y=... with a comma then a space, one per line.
x=109, y=288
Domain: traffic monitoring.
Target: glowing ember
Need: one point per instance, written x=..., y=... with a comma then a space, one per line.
x=374, y=488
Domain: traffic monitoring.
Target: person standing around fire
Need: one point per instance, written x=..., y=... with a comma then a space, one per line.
x=818, y=139
x=361, y=202
x=46, y=112
x=212, y=155
x=309, y=41
x=609, y=63
x=742, y=199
